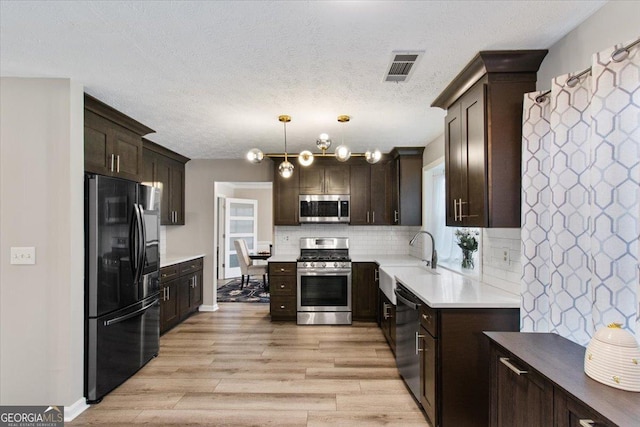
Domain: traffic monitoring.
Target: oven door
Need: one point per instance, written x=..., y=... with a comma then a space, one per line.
x=320, y=290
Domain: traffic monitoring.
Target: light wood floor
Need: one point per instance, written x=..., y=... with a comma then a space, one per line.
x=235, y=367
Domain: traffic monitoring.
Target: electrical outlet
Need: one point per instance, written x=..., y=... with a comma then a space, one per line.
x=23, y=255
x=505, y=256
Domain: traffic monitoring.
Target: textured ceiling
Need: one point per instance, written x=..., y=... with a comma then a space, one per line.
x=211, y=77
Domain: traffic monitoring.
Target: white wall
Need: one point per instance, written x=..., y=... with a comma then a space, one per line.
x=199, y=235
x=41, y=193
x=616, y=22
x=264, y=196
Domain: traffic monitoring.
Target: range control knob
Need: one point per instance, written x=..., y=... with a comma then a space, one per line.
x=323, y=264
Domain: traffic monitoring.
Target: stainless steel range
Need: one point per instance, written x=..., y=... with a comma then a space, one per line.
x=324, y=281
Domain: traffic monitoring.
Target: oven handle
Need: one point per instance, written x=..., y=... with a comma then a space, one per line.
x=402, y=298
x=320, y=272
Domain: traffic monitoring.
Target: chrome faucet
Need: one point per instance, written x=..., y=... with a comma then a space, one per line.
x=434, y=253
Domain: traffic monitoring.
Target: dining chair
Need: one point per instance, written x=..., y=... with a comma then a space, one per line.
x=247, y=267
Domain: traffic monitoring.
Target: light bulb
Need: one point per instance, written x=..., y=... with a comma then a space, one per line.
x=373, y=156
x=255, y=155
x=285, y=169
x=305, y=158
x=323, y=142
x=343, y=153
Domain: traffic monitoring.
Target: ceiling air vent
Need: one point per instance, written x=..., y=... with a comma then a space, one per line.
x=402, y=65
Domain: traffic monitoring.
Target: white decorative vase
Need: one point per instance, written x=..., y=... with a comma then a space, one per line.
x=613, y=358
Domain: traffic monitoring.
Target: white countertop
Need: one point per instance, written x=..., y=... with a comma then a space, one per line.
x=447, y=289
x=170, y=259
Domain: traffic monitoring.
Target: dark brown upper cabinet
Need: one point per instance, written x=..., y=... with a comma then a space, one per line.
x=370, y=201
x=324, y=176
x=285, y=195
x=405, y=185
x=112, y=141
x=483, y=137
x=165, y=169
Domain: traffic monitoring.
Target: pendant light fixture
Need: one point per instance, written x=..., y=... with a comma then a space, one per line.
x=343, y=153
x=306, y=157
x=286, y=167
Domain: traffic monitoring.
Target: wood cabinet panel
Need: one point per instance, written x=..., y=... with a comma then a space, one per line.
x=324, y=176
x=285, y=197
x=369, y=199
x=283, y=287
x=181, y=292
x=364, y=291
x=112, y=141
x=405, y=171
x=538, y=379
x=428, y=373
x=483, y=134
x=521, y=399
x=165, y=169
x=387, y=318
x=169, y=311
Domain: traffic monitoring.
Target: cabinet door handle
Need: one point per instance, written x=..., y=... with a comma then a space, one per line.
x=168, y=294
x=505, y=362
x=113, y=161
x=282, y=307
x=418, y=337
x=587, y=423
x=118, y=163
x=426, y=317
x=282, y=286
x=455, y=210
x=395, y=216
x=373, y=217
x=376, y=275
x=282, y=270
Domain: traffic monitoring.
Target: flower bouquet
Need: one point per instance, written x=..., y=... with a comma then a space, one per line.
x=467, y=240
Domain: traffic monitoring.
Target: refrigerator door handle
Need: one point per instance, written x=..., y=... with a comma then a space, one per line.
x=143, y=242
x=130, y=315
x=140, y=243
x=133, y=242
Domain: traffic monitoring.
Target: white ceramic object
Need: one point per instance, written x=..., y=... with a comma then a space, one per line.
x=613, y=358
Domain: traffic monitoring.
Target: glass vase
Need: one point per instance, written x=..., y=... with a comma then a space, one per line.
x=467, y=259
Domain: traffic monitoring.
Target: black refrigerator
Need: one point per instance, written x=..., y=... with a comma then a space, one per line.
x=122, y=261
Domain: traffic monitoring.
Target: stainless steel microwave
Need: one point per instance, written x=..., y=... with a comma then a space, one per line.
x=324, y=208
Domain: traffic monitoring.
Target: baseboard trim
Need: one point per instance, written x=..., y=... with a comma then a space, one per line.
x=214, y=307
x=70, y=412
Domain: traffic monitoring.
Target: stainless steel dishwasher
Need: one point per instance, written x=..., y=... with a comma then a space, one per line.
x=407, y=338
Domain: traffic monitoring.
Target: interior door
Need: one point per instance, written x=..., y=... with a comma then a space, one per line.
x=241, y=222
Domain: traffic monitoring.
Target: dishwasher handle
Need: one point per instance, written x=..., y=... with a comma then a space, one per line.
x=403, y=298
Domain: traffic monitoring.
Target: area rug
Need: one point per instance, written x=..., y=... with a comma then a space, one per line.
x=252, y=292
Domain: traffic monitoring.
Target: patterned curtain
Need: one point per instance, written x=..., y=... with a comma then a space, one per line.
x=581, y=202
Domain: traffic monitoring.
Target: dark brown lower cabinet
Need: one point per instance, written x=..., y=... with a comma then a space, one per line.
x=364, y=291
x=455, y=362
x=282, y=288
x=169, y=311
x=538, y=379
x=180, y=292
x=428, y=347
x=523, y=397
x=387, y=318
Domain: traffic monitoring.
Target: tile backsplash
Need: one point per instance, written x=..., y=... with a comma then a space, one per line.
x=363, y=240
x=495, y=270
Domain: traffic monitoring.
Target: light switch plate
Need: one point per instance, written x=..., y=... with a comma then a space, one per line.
x=23, y=255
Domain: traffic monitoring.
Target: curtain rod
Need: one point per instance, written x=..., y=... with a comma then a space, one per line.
x=618, y=55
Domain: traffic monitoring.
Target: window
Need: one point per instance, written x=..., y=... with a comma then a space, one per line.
x=449, y=254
